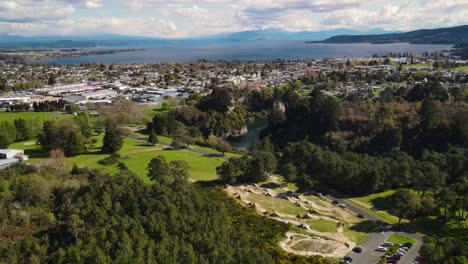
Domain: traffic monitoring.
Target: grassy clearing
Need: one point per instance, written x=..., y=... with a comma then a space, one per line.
x=137, y=156
x=427, y=66
x=355, y=236
x=376, y=200
x=376, y=204
x=36, y=116
x=323, y=226
x=462, y=68
x=400, y=239
x=379, y=214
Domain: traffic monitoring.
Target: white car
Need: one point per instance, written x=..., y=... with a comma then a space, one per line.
x=381, y=249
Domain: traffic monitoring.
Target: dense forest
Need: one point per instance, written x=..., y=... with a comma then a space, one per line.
x=87, y=217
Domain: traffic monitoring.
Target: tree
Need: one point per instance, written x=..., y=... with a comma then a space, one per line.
x=220, y=100
x=75, y=225
x=158, y=169
x=228, y=172
x=428, y=114
x=177, y=144
x=222, y=146
x=174, y=173
x=75, y=170
x=113, y=140
x=404, y=204
x=460, y=128
x=446, y=199
x=23, y=130
x=153, y=137
x=52, y=80
x=428, y=177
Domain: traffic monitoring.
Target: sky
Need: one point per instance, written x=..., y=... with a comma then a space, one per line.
x=187, y=18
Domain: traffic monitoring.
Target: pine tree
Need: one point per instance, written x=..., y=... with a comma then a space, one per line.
x=153, y=137
x=75, y=170
x=112, y=139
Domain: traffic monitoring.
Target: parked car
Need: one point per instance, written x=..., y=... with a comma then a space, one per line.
x=381, y=249
x=336, y=202
x=408, y=245
x=342, y=205
x=357, y=249
x=394, y=257
x=360, y=216
x=399, y=254
x=347, y=259
x=392, y=261
x=387, y=244
x=419, y=258
x=405, y=248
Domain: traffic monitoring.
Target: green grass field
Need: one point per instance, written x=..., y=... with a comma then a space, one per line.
x=462, y=68
x=323, y=226
x=428, y=66
x=400, y=239
x=137, y=155
x=376, y=204
x=39, y=116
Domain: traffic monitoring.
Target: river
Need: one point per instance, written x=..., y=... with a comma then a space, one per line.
x=254, y=129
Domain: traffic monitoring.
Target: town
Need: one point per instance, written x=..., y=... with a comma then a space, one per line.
x=151, y=84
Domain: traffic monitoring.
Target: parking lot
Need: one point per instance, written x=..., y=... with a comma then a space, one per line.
x=370, y=256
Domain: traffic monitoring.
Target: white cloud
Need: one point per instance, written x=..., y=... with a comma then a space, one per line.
x=93, y=26
x=30, y=10
x=179, y=18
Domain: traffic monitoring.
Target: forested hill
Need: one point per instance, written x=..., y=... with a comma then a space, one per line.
x=451, y=36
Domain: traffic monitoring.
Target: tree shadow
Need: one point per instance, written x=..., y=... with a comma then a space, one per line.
x=270, y=185
x=381, y=203
x=143, y=145
x=436, y=227
x=367, y=226
x=212, y=183
x=213, y=155
x=36, y=153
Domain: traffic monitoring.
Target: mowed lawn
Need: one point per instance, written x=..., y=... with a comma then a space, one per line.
x=35, y=116
x=377, y=205
x=136, y=155
x=400, y=239
x=428, y=66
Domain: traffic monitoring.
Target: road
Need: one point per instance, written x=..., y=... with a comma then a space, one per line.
x=354, y=209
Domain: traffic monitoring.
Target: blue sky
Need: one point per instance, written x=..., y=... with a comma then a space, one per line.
x=184, y=18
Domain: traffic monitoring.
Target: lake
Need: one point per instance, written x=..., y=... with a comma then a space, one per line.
x=260, y=50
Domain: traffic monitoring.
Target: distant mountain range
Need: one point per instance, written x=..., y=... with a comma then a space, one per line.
x=22, y=42
x=279, y=34
x=451, y=36
x=454, y=35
